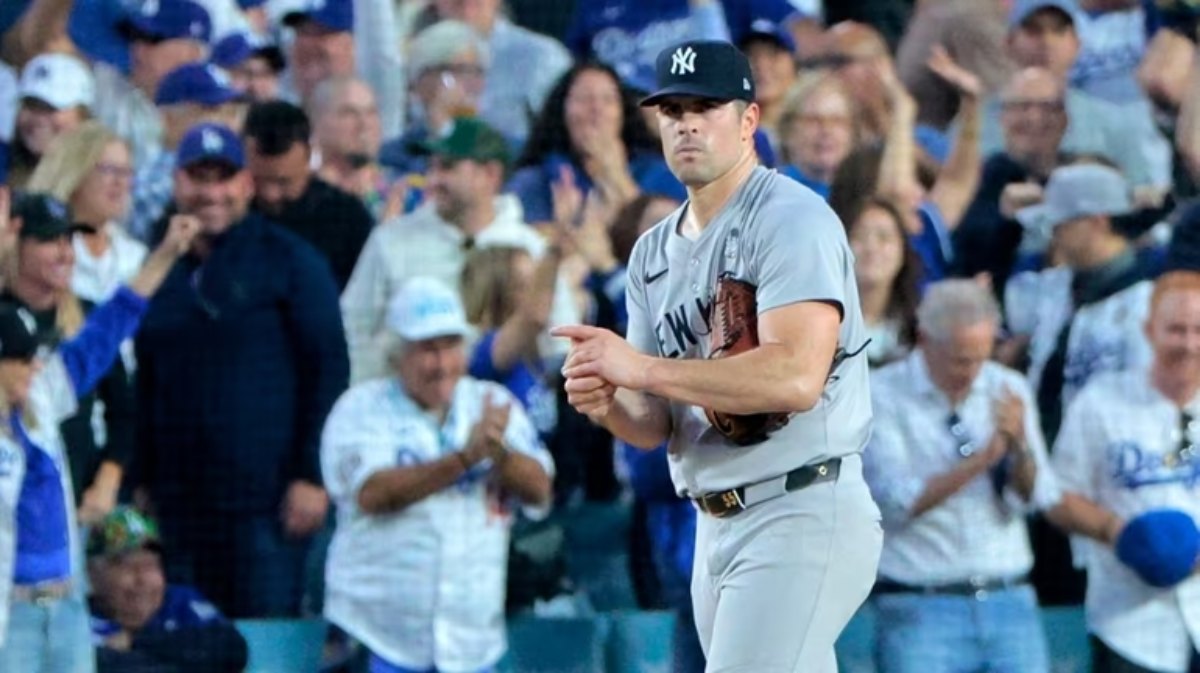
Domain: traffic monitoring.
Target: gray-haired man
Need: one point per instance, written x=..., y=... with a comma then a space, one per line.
x=955, y=461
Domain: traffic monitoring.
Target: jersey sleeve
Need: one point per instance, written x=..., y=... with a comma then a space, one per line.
x=1078, y=446
x=1046, y=489
x=355, y=445
x=801, y=254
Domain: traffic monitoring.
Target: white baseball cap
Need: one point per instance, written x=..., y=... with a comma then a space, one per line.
x=425, y=308
x=60, y=80
x=1075, y=191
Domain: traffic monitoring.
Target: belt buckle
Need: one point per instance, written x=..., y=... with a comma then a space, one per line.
x=731, y=503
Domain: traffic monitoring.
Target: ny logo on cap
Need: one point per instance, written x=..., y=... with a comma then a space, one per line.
x=683, y=61
x=211, y=141
x=27, y=318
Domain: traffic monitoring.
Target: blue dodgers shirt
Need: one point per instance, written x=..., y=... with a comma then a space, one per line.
x=182, y=608
x=43, y=541
x=522, y=380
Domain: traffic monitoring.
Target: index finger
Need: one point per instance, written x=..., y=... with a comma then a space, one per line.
x=577, y=332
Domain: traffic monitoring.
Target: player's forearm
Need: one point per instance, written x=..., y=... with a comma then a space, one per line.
x=1079, y=515
x=958, y=180
x=392, y=490
x=769, y=378
x=525, y=478
x=1024, y=474
x=638, y=419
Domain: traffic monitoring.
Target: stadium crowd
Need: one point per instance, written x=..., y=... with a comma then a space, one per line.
x=278, y=278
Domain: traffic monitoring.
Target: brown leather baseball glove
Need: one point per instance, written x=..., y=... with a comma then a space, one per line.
x=735, y=330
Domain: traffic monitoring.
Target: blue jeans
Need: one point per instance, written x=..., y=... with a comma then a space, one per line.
x=378, y=665
x=51, y=638
x=1002, y=633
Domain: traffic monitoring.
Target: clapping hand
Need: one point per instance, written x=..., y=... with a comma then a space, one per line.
x=486, y=440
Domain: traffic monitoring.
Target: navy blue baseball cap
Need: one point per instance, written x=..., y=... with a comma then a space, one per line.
x=201, y=83
x=767, y=30
x=168, y=20
x=251, y=4
x=211, y=143
x=705, y=69
x=1161, y=546
x=237, y=48
x=334, y=15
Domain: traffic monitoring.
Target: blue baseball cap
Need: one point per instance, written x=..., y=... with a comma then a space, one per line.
x=1161, y=546
x=769, y=31
x=168, y=20
x=237, y=48
x=95, y=26
x=251, y=4
x=1023, y=9
x=334, y=15
x=201, y=83
x=210, y=143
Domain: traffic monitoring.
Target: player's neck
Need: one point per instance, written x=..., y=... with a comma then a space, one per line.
x=705, y=202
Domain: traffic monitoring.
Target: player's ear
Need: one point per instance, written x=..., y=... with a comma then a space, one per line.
x=750, y=119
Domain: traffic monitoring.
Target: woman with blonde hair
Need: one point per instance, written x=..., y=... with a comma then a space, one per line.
x=818, y=128
x=507, y=296
x=91, y=170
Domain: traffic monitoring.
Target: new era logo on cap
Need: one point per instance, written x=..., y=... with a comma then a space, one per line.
x=704, y=69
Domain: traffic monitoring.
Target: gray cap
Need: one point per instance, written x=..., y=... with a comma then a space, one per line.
x=1077, y=191
x=1023, y=9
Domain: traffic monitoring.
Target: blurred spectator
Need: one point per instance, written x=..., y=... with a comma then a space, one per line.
x=340, y=38
x=818, y=128
x=932, y=199
x=507, y=298
x=191, y=94
x=90, y=169
x=250, y=322
x=253, y=64
x=973, y=31
x=1075, y=321
x=1044, y=33
x=591, y=127
x=98, y=434
x=628, y=35
x=432, y=460
x=141, y=623
x=772, y=53
x=287, y=192
x=57, y=92
x=956, y=460
x=888, y=17
x=1034, y=119
x=255, y=14
x=447, y=75
x=524, y=65
x=44, y=621
x=323, y=46
x=1128, y=447
x=32, y=27
x=1086, y=316
x=1113, y=36
x=162, y=36
x=888, y=272
x=464, y=210
x=346, y=143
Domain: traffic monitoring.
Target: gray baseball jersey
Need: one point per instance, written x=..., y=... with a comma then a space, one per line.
x=784, y=239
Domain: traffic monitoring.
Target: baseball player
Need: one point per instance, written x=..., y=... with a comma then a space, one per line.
x=1127, y=450
x=789, y=538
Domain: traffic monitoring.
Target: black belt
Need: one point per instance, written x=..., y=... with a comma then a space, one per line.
x=970, y=587
x=727, y=503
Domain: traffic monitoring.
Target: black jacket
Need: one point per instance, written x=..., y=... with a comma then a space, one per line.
x=240, y=358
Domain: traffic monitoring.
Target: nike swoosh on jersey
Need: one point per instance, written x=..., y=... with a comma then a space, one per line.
x=651, y=277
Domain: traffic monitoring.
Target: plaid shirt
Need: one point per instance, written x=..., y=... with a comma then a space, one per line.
x=153, y=186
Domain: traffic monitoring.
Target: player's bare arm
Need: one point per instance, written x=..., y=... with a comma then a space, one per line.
x=787, y=372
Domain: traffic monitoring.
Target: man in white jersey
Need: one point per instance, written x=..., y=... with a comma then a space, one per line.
x=424, y=467
x=787, y=546
x=1128, y=446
